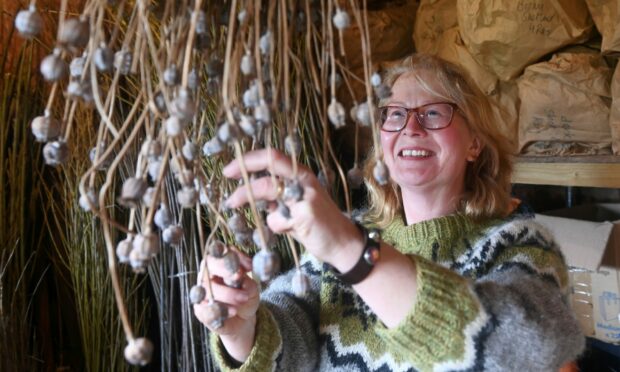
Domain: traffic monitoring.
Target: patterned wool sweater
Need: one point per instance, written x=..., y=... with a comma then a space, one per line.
x=490, y=297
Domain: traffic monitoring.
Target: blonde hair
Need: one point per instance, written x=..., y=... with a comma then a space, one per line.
x=487, y=179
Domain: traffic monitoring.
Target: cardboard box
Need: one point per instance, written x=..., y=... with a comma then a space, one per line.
x=589, y=236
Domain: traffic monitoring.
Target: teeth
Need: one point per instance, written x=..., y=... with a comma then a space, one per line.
x=416, y=153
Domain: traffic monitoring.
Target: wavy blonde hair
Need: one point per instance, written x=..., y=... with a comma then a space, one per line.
x=487, y=179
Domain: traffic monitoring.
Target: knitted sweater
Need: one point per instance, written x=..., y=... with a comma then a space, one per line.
x=490, y=297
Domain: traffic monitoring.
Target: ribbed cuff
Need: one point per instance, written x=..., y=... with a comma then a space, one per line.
x=443, y=320
x=267, y=345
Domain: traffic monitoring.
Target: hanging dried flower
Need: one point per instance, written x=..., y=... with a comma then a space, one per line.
x=122, y=62
x=264, y=44
x=355, y=177
x=55, y=153
x=251, y=96
x=148, y=196
x=139, y=351
x=146, y=245
x=189, y=150
x=53, y=68
x=184, y=105
x=362, y=114
x=123, y=249
x=171, y=75
x=265, y=264
x=231, y=262
x=29, y=22
x=201, y=23
x=381, y=173
x=341, y=19
x=300, y=283
x=193, y=79
x=45, y=128
x=216, y=314
x=336, y=114
x=247, y=64
x=248, y=125
x=262, y=113
x=227, y=133
x=187, y=197
x=88, y=201
x=174, y=126
x=293, y=191
x=197, y=294
x=173, y=235
x=103, y=58
x=292, y=144
x=74, y=33
x=212, y=147
x=132, y=191
x=382, y=91
x=216, y=249
x=375, y=79
x=76, y=67
x=159, y=104
x=93, y=153
x=283, y=209
x=163, y=217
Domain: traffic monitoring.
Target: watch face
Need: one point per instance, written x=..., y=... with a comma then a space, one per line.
x=372, y=255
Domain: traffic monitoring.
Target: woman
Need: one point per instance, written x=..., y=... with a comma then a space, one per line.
x=463, y=282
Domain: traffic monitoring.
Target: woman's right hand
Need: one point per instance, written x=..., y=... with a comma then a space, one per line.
x=237, y=332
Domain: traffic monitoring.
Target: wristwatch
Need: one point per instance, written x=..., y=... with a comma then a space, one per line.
x=369, y=257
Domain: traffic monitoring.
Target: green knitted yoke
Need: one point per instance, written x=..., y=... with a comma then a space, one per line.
x=484, y=293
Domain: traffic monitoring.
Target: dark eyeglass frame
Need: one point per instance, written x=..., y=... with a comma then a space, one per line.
x=417, y=116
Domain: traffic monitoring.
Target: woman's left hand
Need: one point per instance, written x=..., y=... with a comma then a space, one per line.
x=315, y=221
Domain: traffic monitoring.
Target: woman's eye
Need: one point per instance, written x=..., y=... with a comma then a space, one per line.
x=432, y=114
x=396, y=114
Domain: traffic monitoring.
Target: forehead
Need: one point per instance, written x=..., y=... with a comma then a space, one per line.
x=418, y=88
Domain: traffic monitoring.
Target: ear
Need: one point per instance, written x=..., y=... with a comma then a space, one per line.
x=474, y=149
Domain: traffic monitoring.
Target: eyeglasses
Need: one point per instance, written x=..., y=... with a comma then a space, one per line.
x=432, y=116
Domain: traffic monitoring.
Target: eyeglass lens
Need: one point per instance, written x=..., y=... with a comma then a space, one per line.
x=433, y=116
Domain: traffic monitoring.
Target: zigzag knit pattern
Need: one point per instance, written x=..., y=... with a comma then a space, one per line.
x=490, y=297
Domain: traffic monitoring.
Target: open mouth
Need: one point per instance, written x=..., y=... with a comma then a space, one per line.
x=415, y=153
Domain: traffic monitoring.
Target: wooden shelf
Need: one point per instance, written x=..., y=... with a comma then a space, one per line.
x=584, y=171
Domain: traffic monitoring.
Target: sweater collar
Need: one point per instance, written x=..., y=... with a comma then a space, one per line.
x=419, y=237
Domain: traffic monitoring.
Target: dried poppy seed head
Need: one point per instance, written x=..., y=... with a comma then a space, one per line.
x=29, y=22
x=355, y=177
x=362, y=114
x=152, y=149
x=187, y=197
x=341, y=19
x=103, y=58
x=293, y=191
x=197, y=294
x=262, y=113
x=227, y=133
x=292, y=144
x=76, y=67
x=153, y=168
x=123, y=249
x=132, y=191
x=174, y=126
x=336, y=114
x=381, y=173
x=163, y=217
x=231, y=261
x=375, y=79
x=216, y=249
x=146, y=245
x=45, y=128
x=171, y=75
x=74, y=32
x=270, y=238
x=139, y=351
x=53, y=68
x=216, y=314
x=189, y=150
x=55, y=153
x=212, y=147
x=201, y=23
x=251, y=96
x=184, y=105
x=248, y=125
x=264, y=43
x=88, y=200
x=147, y=198
x=383, y=91
x=238, y=223
x=300, y=283
x=265, y=264
x=122, y=62
x=247, y=64
x=173, y=234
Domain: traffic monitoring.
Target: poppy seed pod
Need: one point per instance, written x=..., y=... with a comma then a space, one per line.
x=93, y=152
x=201, y=23
x=123, y=249
x=154, y=168
x=88, y=200
x=74, y=32
x=184, y=105
x=293, y=191
x=238, y=223
x=103, y=58
x=242, y=16
x=375, y=79
x=248, y=125
x=355, y=177
x=292, y=144
x=152, y=148
x=173, y=234
x=187, y=197
x=159, y=104
x=380, y=173
x=336, y=114
x=147, y=198
x=300, y=283
x=45, y=128
x=247, y=64
x=270, y=238
x=53, y=68
x=283, y=209
x=227, y=133
x=189, y=150
x=262, y=113
x=383, y=91
x=341, y=19
x=76, y=67
x=139, y=351
x=197, y=294
x=186, y=177
x=212, y=147
x=122, y=62
x=174, y=126
x=216, y=249
x=193, y=79
x=132, y=191
x=171, y=75
x=146, y=245
x=264, y=44
x=265, y=264
x=216, y=314
x=362, y=114
x=29, y=22
x=231, y=261
x=163, y=217
x=251, y=96
x=55, y=153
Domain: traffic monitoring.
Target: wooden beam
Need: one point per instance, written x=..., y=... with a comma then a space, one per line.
x=568, y=171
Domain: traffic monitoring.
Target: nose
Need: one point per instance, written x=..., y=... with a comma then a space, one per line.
x=413, y=126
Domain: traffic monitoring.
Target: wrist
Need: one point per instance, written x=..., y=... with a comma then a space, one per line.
x=359, y=265
x=239, y=345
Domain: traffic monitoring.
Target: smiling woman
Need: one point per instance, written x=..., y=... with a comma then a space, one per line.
x=461, y=279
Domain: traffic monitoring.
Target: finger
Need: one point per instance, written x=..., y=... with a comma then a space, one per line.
x=278, y=223
x=229, y=295
x=244, y=259
x=262, y=189
x=260, y=160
